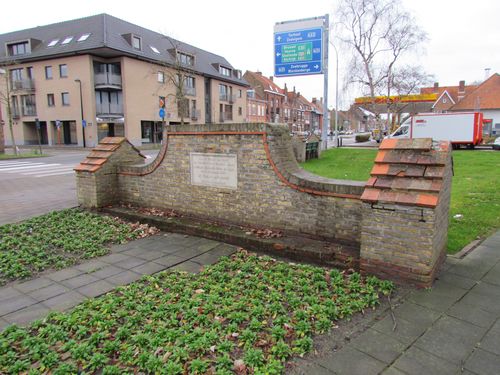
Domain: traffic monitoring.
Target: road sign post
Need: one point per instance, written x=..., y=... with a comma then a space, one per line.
x=38, y=131
x=301, y=48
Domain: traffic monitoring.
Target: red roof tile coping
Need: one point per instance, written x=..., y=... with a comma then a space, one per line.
x=112, y=140
x=406, y=144
x=380, y=169
x=427, y=200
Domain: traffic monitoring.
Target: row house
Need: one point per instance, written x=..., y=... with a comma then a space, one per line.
x=264, y=89
x=81, y=80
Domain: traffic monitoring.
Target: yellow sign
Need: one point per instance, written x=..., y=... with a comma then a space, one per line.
x=397, y=99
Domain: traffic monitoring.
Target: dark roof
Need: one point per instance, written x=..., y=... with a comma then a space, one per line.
x=107, y=39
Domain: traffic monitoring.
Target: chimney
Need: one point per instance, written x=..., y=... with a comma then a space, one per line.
x=294, y=89
x=436, y=86
x=486, y=73
x=271, y=78
x=461, y=86
x=258, y=73
x=314, y=100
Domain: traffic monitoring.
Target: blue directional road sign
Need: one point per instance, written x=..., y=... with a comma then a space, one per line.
x=162, y=113
x=298, y=52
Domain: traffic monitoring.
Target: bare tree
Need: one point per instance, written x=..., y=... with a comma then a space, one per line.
x=378, y=33
x=5, y=98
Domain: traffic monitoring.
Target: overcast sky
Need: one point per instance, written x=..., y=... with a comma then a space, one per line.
x=464, y=37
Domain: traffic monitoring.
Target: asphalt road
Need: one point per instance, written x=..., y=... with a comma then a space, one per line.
x=34, y=186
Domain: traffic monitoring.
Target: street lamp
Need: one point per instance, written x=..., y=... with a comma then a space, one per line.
x=336, y=94
x=81, y=110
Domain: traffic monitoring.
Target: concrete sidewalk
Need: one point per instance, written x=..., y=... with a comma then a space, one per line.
x=22, y=303
x=453, y=328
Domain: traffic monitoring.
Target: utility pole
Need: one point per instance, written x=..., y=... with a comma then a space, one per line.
x=81, y=111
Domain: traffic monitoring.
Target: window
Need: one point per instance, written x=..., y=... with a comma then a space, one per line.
x=84, y=37
x=48, y=72
x=240, y=94
x=28, y=105
x=63, y=70
x=155, y=50
x=29, y=72
x=185, y=59
x=240, y=111
x=50, y=100
x=136, y=42
x=161, y=77
x=67, y=40
x=225, y=71
x=53, y=43
x=65, y=98
x=189, y=86
x=19, y=49
x=16, y=77
x=223, y=92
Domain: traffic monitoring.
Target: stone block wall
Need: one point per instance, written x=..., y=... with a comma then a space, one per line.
x=398, y=219
x=405, y=211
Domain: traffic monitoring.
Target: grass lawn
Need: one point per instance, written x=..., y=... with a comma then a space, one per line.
x=474, y=193
x=245, y=314
x=21, y=156
x=57, y=240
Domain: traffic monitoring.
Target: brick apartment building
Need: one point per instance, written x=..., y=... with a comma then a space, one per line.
x=113, y=76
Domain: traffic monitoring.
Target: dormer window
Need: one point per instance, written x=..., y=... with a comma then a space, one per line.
x=237, y=73
x=16, y=49
x=53, y=43
x=225, y=71
x=136, y=42
x=67, y=40
x=185, y=59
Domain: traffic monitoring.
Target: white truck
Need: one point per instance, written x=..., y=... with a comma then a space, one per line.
x=464, y=128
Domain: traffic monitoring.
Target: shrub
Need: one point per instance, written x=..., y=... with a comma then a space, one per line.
x=362, y=137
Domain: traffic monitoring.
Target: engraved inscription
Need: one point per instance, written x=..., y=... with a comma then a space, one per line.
x=215, y=170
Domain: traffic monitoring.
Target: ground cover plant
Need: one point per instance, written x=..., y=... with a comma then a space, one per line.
x=57, y=240
x=475, y=202
x=245, y=314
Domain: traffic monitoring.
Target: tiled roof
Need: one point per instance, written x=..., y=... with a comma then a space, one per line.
x=407, y=172
x=485, y=96
x=265, y=82
x=101, y=153
x=451, y=90
x=107, y=39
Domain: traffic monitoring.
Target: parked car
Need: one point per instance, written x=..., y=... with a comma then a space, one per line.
x=496, y=144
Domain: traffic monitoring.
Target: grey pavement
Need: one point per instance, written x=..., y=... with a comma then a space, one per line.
x=451, y=328
x=24, y=302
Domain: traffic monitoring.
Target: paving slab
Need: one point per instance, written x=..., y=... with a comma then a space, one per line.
x=206, y=259
x=491, y=341
x=64, y=301
x=107, y=271
x=188, y=266
x=483, y=362
x=450, y=339
x=486, y=303
x=67, y=273
x=9, y=292
x=351, y=361
x=414, y=313
x=168, y=260
x=439, y=298
x=114, y=258
x=457, y=280
x=148, y=268
x=472, y=268
x=392, y=371
x=79, y=281
x=123, y=278
x=27, y=314
x=34, y=284
x=309, y=368
x=3, y=324
x=416, y=361
x=50, y=291
x=96, y=289
x=474, y=314
x=145, y=254
x=129, y=263
x=378, y=345
x=91, y=266
x=13, y=304
x=493, y=275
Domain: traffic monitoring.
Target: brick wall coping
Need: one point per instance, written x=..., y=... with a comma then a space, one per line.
x=281, y=159
x=408, y=172
x=101, y=153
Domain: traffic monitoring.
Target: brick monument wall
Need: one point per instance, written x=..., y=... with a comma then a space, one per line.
x=246, y=174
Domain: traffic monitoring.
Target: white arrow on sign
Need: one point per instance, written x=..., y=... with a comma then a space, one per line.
x=279, y=38
x=278, y=54
x=316, y=66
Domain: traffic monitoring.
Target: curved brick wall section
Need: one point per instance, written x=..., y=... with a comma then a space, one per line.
x=272, y=189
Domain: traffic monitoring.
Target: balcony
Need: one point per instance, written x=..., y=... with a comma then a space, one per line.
x=15, y=114
x=191, y=91
x=107, y=109
x=29, y=110
x=23, y=85
x=226, y=116
x=107, y=80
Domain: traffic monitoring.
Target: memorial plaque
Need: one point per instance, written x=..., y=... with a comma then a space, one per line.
x=214, y=170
